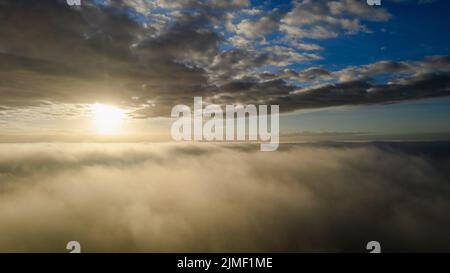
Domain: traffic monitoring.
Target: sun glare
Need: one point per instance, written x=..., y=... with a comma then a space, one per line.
x=107, y=119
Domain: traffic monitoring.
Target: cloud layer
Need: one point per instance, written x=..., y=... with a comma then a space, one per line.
x=151, y=55
x=169, y=197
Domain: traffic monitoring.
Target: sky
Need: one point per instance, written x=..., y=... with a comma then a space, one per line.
x=344, y=74
x=332, y=66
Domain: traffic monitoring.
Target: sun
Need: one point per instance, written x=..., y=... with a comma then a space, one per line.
x=107, y=119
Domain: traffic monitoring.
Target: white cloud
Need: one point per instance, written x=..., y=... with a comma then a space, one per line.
x=325, y=19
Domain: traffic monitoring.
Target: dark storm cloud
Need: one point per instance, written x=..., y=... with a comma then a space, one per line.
x=177, y=197
x=51, y=53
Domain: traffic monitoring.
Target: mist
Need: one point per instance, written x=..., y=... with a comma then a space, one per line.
x=222, y=198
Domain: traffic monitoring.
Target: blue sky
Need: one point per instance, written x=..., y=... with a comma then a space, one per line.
x=415, y=31
x=418, y=117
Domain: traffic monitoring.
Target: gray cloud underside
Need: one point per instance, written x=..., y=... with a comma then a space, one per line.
x=50, y=53
x=169, y=197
